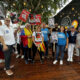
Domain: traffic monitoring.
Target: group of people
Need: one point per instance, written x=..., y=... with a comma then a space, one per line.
x=29, y=42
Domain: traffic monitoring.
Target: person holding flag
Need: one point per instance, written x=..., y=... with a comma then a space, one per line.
x=38, y=44
x=26, y=39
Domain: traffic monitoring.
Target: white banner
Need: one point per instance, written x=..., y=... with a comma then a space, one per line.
x=51, y=22
x=54, y=37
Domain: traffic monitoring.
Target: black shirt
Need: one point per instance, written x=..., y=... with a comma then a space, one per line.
x=72, y=38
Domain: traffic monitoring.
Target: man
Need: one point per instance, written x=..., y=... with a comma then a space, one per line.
x=72, y=42
x=8, y=40
x=45, y=32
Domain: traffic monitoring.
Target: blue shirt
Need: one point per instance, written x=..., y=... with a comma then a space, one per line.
x=62, y=38
x=45, y=33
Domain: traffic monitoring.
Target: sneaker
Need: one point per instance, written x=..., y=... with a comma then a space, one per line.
x=68, y=59
x=61, y=62
x=18, y=56
x=54, y=62
x=22, y=56
x=9, y=72
x=16, y=52
x=71, y=60
x=26, y=61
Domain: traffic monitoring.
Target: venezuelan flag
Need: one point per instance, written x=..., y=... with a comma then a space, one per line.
x=28, y=33
x=24, y=39
x=42, y=47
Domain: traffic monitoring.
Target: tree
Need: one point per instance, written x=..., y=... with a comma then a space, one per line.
x=43, y=7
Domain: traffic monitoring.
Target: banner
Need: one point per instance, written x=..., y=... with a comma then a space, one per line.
x=51, y=22
x=38, y=19
x=35, y=19
x=24, y=15
x=54, y=37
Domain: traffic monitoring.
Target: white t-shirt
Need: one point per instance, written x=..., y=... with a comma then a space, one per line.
x=8, y=35
x=38, y=36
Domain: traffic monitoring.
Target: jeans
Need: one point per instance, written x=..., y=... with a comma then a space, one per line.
x=70, y=50
x=22, y=48
x=46, y=46
x=18, y=48
x=60, y=47
x=7, y=57
x=27, y=53
x=53, y=48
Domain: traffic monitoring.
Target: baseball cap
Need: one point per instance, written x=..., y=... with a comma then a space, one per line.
x=72, y=26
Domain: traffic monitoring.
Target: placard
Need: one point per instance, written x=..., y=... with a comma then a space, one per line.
x=54, y=37
x=24, y=15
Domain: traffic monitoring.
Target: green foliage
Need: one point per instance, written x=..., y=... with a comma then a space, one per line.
x=34, y=6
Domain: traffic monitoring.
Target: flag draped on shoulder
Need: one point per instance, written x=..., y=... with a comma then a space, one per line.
x=28, y=33
x=24, y=38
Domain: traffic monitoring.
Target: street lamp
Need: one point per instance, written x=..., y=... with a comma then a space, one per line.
x=42, y=6
x=24, y=3
x=14, y=4
x=72, y=9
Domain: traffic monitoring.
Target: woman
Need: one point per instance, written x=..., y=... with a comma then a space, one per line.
x=37, y=38
x=26, y=38
x=62, y=42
